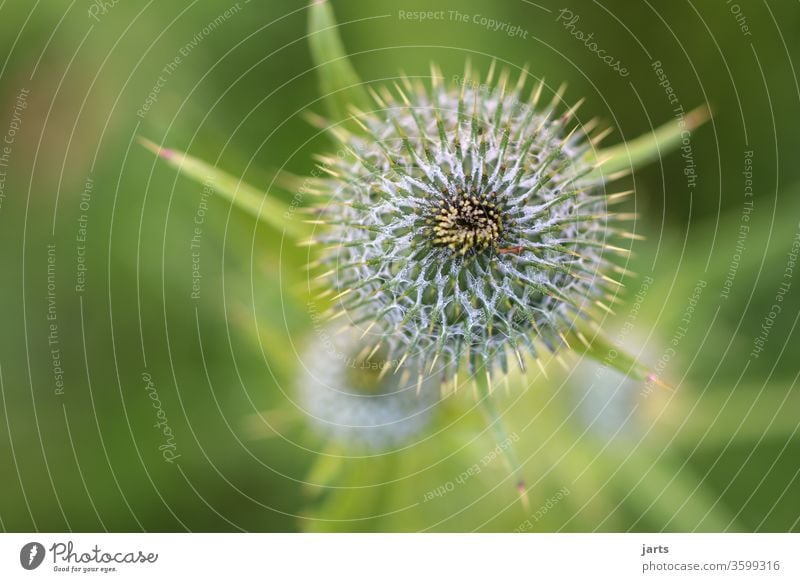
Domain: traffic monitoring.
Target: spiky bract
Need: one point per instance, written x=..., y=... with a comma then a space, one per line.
x=464, y=222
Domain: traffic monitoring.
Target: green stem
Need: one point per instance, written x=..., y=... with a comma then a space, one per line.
x=493, y=418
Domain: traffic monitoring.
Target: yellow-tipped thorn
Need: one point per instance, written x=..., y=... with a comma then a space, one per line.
x=698, y=116
x=519, y=358
x=523, y=77
x=612, y=281
x=658, y=382
x=401, y=362
x=619, y=196
x=382, y=374
x=559, y=96
x=337, y=315
x=374, y=350
x=404, y=377
x=366, y=329
x=343, y=329
x=572, y=110
x=324, y=275
x=490, y=75
x=342, y=294
x=618, y=175
x=604, y=307
x=523, y=495
x=616, y=249
x=324, y=294
x=599, y=137
x=589, y=126
x=541, y=367
x=433, y=363
x=362, y=355
x=536, y=93
x=165, y=153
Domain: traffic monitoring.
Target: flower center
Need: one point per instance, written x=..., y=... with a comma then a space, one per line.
x=466, y=221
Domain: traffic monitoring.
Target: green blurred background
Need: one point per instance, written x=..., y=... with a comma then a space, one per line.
x=718, y=452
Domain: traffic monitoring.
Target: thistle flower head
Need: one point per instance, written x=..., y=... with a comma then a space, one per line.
x=352, y=399
x=464, y=222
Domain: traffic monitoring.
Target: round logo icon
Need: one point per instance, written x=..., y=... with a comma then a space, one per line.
x=31, y=555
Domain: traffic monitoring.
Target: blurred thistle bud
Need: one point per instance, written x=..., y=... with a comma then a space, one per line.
x=354, y=398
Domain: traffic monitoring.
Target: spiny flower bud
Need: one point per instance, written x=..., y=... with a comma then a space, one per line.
x=459, y=223
x=464, y=222
x=351, y=397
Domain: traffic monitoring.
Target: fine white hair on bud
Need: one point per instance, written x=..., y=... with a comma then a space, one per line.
x=465, y=222
x=352, y=397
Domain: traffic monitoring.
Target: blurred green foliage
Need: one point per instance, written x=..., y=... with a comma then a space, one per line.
x=720, y=451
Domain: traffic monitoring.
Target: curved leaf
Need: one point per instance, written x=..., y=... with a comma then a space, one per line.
x=249, y=198
x=638, y=152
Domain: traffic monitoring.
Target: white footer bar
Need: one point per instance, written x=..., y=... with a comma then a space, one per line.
x=406, y=557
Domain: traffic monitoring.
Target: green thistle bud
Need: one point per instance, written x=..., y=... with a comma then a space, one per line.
x=464, y=222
